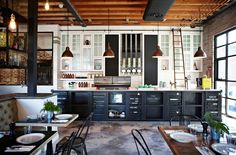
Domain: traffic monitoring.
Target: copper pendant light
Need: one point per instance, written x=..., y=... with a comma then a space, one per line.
x=67, y=53
x=200, y=53
x=157, y=53
x=108, y=52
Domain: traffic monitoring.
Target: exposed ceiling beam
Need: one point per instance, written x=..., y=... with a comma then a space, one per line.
x=74, y=12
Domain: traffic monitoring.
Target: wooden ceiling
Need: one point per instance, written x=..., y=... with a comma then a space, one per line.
x=125, y=12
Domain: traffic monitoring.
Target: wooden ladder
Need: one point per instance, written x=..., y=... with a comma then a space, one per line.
x=178, y=59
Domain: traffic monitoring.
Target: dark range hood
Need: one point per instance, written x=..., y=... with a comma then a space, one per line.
x=156, y=9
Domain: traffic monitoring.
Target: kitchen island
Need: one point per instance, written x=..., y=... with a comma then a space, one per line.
x=134, y=104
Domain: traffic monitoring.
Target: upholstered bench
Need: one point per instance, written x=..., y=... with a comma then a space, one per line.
x=8, y=112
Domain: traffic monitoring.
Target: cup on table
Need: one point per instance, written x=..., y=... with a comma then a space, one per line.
x=231, y=138
x=27, y=129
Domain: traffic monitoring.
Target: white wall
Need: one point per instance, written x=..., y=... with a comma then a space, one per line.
x=31, y=106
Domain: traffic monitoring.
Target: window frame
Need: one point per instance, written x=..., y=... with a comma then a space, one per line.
x=225, y=96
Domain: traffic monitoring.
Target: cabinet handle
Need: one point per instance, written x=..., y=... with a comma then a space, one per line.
x=214, y=112
x=61, y=98
x=174, y=99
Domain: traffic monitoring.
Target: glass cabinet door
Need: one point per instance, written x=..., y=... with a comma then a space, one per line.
x=98, y=45
x=76, y=50
x=87, y=59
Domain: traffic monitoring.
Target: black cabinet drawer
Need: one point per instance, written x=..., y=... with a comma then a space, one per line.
x=99, y=96
x=154, y=112
x=212, y=96
x=99, y=109
x=134, y=111
x=134, y=107
x=154, y=98
x=99, y=117
x=99, y=102
x=174, y=110
x=175, y=103
x=212, y=104
x=174, y=96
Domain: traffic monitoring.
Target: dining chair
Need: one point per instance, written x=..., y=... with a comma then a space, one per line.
x=140, y=142
x=66, y=147
x=79, y=145
x=183, y=119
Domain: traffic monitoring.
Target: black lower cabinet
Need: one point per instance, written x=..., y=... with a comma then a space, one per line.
x=213, y=103
x=134, y=105
x=139, y=105
x=100, y=100
x=193, y=103
x=153, y=107
x=81, y=103
x=173, y=104
x=62, y=100
x=117, y=108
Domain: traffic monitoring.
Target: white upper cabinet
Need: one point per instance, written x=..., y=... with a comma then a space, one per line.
x=87, y=49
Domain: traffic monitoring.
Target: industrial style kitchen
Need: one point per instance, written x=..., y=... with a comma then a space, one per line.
x=117, y=77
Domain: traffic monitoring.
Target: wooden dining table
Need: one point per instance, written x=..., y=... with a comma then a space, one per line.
x=49, y=125
x=183, y=148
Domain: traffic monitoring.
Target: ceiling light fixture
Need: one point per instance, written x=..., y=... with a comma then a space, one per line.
x=67, y=53
x=12, y=23
x=200, y=54
x=47, y=6
x=108, y=52
x=157, y=53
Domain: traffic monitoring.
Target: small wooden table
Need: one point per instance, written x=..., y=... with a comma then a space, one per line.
x=8, y=141
x=49, y=126
x=181, y=148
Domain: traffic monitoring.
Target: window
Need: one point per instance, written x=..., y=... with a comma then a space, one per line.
x=44, y=58
x=225, y=62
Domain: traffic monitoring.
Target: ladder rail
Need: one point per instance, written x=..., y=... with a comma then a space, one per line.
x=181, y=52
x=174, y=56
x=183, y=56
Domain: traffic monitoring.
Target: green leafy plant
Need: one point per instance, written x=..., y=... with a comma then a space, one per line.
x=216, y=123
x=50, y=106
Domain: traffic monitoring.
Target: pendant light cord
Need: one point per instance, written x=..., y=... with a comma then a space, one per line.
x=157, y=33
x=12, y=5
x=67, y=23
x=108, y=21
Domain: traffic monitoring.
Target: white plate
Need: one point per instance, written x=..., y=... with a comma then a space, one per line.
x=1, y=135
x=32, y=116
x=63, y=116
x=224, y=149
x=182, y=137
x=30, y=138
x=196, y=127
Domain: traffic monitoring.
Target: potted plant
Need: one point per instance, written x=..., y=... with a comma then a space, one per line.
x=217, y=127
x=50, y=108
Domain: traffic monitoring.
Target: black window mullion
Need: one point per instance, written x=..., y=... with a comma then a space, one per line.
x=226, y=76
